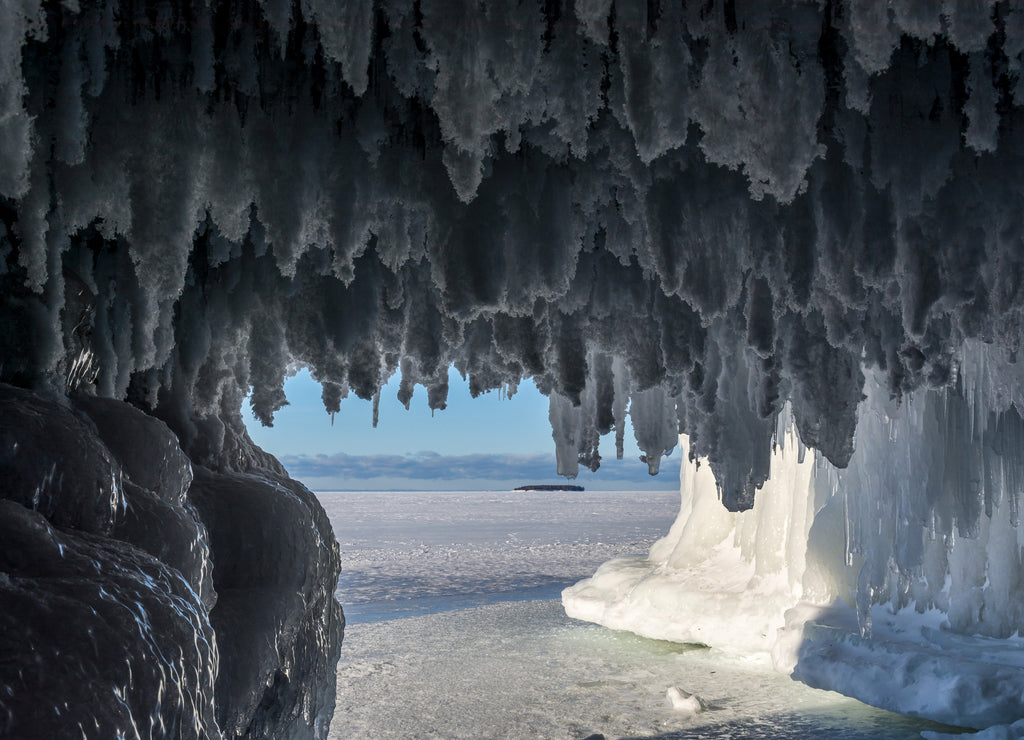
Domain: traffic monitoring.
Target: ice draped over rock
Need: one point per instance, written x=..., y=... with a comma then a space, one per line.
x=694, y=213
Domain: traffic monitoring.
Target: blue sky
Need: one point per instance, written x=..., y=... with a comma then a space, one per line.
x=490, y=442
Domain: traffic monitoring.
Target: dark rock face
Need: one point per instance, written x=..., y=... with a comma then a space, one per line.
x=158, y=516
x=54, y=464
x=98, y=637
x=279, y=628
x=139, y=600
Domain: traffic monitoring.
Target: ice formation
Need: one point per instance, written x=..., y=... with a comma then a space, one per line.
x=683, y=701
x=737, y=203
x=695, y=213
x=894, y=580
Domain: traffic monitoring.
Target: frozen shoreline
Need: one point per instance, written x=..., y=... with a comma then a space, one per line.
x=523, y=670
x=480, y=665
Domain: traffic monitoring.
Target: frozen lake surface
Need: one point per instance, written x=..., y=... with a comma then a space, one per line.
x=456, y=631
x=404, y=554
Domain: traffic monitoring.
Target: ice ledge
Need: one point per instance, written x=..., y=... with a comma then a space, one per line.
x=913, y=668
x=911, y=664
x=663, y=604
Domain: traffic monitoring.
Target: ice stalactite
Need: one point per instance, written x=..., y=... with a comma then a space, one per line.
x=577, y=430
x=545, y=184
x=655, y=425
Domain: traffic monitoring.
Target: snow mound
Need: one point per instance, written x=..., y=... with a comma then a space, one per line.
x=684, y=702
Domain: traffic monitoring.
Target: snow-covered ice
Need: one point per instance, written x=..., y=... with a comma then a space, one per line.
x=684, y=702
x=406, y=553
x=441, y=644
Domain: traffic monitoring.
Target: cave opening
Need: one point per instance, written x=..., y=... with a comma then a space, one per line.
x=788, y=231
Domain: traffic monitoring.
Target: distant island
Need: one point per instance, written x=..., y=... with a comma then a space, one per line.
x=548, y=488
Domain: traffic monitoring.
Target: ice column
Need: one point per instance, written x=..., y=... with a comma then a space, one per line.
x=718, y=578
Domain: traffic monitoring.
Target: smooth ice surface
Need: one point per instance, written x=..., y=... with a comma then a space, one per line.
x=489, y=668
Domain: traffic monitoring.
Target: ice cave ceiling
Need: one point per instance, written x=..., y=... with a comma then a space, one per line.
x=707, y=209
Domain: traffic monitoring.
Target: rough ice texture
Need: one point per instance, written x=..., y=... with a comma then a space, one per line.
x=139, y=601
x=893, y=580
x=194, y=203
x=99, y=638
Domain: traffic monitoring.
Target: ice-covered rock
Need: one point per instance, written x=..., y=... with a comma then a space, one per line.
x=141, y=601
x=55, y=464
x=98, y=637
x=278, y=625
x=158, y=514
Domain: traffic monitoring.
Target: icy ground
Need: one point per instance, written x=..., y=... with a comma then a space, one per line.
x=455, y=630
x=409, y=553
